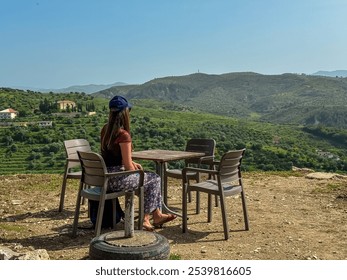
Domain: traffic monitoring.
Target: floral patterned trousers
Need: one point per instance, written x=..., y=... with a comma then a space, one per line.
x=152, y=191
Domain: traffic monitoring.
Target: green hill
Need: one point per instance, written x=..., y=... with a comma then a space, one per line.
x=287, y=98
x=25, y=147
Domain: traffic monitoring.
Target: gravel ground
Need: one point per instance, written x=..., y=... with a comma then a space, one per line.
x=292, y=216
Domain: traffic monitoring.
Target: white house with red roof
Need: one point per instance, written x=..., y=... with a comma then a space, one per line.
x=8, y=114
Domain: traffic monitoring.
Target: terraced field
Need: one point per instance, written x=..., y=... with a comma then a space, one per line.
x=47, y=153
x=18, y=163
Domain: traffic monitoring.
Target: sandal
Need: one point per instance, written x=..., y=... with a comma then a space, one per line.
x=169, y=218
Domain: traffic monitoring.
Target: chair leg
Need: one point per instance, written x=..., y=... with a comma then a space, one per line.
x=216, y=203
x=62, y=192
x=165, y=189
x=184, y=209
x=77, y=212
x=189, y=196
x=99, y=217
x=213, y=177
x=245, y=213
x=224, y=217
x=209, y=208
x=197, y=210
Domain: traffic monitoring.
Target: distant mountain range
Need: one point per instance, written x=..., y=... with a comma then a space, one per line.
x=93, y=88
x=336, y=73
x=287, y=98
x=79, y=88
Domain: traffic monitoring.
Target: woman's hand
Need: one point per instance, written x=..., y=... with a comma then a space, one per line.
x=137, y=166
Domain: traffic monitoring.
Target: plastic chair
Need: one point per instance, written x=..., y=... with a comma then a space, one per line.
x=206, y=146
x=227, y=182
x=93, y=186
x=72, y=163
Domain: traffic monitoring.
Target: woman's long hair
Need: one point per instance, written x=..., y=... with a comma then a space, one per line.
x=116, y=121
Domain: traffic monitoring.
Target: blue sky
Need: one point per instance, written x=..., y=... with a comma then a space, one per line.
x=59, y=43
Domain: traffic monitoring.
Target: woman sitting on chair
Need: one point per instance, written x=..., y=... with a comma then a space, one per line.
x=116, y=149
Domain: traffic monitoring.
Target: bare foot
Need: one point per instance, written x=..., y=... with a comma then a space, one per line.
x=162, y=219
x=147, y=226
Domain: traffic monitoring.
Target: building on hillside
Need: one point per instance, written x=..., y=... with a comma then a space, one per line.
x=45, y=123
x=8, y=114
x=25, y=124
x=63, y=104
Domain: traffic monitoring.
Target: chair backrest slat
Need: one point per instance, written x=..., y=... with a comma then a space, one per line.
x=94, y=168
x=74, y=145
x=206, y=146
x=94, y=171
x=72, y=152
x=93, y=180
x=229, y=167
x=71, y=148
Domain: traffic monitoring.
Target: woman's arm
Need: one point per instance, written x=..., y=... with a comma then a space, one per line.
x=126, y=157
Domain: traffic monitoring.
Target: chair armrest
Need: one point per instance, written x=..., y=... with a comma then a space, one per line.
x=199, y=170
x=206, y=159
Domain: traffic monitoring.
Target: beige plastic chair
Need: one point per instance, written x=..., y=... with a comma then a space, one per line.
x=93, y=186
x=72, y=163
x=228, y=182
x=206, y=146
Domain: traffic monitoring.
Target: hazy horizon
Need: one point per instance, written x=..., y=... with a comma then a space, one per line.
x=59, y=43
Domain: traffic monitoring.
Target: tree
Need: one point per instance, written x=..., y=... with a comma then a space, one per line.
x=13, y=148
x=45, y=106
x=8, y=140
